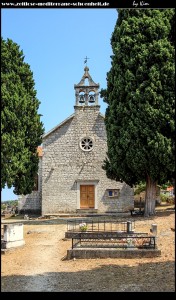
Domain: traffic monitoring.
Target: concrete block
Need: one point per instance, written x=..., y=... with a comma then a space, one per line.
x=13, y=236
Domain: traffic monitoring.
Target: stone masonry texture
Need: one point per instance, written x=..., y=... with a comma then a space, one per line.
x=64, y=163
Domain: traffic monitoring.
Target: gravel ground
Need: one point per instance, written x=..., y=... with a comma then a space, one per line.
x=40, y=265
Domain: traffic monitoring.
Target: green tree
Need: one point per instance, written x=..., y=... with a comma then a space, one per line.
x=141, y=187
x=140, y=95
x=21, y=128
x=172, y=30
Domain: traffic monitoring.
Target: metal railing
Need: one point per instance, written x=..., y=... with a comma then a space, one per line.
x=139, y=240
x=100, y=225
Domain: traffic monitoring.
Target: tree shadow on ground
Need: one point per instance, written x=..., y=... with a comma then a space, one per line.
x=64, y=220
x=164, y=213
x=144, y=277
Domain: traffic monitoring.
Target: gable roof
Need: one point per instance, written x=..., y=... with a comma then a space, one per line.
x=61, y=124
x=56, y=127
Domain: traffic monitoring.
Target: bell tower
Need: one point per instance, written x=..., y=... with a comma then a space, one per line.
x=86, y=91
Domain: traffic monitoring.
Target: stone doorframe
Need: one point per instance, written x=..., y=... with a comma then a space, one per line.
x=86, y=182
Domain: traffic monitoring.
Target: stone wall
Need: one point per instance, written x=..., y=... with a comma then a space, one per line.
x=31, y=203
x=65, y=164
x=87, y=253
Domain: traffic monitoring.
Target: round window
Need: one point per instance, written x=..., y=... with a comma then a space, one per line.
x=86, y=144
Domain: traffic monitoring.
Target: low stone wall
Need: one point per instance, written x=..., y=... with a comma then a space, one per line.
x=30, y=212
x=111, y=253
x=30, y=203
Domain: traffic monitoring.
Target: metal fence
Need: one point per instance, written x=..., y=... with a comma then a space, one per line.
x=139, y=240
x=100, y=225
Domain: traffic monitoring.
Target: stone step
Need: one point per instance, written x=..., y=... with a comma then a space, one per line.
x=86, y=211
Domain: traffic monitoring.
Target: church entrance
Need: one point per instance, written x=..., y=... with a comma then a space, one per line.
x=87, y=196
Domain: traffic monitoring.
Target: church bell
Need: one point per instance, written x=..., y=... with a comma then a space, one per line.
x=81, y=99
x=91, y=99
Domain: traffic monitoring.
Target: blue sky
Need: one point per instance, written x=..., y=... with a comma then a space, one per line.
x=55, y=43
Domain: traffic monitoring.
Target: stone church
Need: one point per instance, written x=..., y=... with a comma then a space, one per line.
x=70, y=176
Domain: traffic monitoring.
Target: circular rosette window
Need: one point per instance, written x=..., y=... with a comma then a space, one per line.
x=86, y=144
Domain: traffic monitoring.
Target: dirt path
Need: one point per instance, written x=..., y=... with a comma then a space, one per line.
x=40, y=266
x=44, y=255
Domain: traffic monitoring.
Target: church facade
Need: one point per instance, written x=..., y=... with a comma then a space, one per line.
x=71, y=178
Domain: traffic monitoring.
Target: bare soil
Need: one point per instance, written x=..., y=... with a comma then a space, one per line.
x=40, y=265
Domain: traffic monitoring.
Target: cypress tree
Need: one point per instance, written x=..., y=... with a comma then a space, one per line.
x=21, y=128
x=140, y=95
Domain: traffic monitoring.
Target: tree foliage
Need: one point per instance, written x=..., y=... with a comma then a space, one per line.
x=11, y=203
x=172, y=30
x=141, y=187
x=140, y=95
x=21, y=128
x=167, y=184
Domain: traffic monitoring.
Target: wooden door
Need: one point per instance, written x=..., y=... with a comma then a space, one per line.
x=87, y=196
